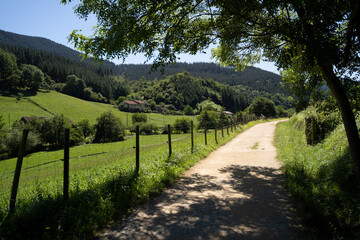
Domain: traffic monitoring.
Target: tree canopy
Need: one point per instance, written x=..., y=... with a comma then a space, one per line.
x=325, y=32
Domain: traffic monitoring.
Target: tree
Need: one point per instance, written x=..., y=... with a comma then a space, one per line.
x=188, y=110
x=263, y=106
x=326, y=33
x=207, y=119
x=302, y=81
x=74, y=86
x=32, y=77
x=53, y=130
x=108, y=128
x=86, y=128
x=182, y=125
x=139, y=118
x=9, y=71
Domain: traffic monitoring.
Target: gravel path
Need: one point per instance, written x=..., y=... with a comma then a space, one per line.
x=234, y=193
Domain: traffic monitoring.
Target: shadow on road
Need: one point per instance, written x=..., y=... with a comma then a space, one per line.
x=248, y=204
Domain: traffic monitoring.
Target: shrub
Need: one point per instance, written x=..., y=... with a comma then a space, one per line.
x=188, y=110
x=263, y=106
x=148, y=129
x=109, y=129
x=53, y=129
x=145, y=129
x=13, y=139
x=182, y=125
x=139, y=118
x=319, y=124
x=76, y=136
x=207, y=118
x=86, y=128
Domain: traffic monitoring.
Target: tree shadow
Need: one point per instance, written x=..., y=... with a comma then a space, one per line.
x=249, y=204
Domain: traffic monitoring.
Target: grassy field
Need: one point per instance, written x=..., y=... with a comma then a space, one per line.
x=48, y=103
x=44, y=164
x=101, y=185
x=321, y=180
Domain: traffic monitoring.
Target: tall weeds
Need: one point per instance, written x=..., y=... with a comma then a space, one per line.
x=321, y=180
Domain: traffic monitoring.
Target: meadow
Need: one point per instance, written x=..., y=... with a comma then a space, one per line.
x=52, y=102
x=321, y=180
x=103, y=184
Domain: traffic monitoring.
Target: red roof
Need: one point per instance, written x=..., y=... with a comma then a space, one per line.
x=130, y=102
x=133, y=102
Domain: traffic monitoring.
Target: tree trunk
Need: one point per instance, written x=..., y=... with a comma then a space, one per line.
x=347, y=114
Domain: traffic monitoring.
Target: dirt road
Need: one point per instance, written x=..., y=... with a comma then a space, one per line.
x=235, y=193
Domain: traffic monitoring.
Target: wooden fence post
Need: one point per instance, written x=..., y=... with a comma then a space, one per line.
x=137, y=149
x=216, y=133
x=205, y=133
x=192, y=136
x=66, y=165
x=169, y=139
x=222, y=129
x=19, y=162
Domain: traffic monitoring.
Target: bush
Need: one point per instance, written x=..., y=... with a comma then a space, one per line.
x=182, y=125
x=109, y=129
x=139, y=118
x=188, y=110
x=208, y=118
x=263, y=106
x=76, y=136
x=318, y=125
x=53, y=130
x=86, y=128
x=148, y=129
x=13, y=140
x=145, y=129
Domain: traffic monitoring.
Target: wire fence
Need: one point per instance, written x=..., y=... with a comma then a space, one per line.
x=42, y=173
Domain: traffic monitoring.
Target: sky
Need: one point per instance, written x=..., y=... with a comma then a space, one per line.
x=55, y=21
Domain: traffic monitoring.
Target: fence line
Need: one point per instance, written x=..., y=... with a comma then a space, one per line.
x=139, y=143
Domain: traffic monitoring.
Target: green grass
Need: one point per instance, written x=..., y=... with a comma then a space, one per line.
x=321, y=180
x=12, y=109
x=48, y=103
x=105, y=187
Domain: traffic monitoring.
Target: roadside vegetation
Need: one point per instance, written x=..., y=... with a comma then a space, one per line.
x=320, y=176
x=106, y=188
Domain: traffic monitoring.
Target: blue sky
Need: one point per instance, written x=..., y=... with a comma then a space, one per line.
x=55, y=21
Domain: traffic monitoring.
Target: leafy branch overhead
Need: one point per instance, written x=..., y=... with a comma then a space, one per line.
x=324, y=32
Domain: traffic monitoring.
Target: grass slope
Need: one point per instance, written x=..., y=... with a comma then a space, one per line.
x=48, y=103
x=321, y=180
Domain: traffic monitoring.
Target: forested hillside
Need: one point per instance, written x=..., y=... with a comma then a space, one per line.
x=64, y=72
x=253, y=78
x=182, y=89
x=59, y=68
x=46, y=45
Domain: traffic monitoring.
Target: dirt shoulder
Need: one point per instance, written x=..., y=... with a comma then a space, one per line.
x=234, y=193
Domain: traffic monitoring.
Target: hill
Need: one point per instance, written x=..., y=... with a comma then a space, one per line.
x=252, y=78
x=46, y=45
x=48, y=103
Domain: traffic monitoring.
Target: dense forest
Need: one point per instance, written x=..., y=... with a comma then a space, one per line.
x=171, y=91
x=253, y=78
x=182, y=89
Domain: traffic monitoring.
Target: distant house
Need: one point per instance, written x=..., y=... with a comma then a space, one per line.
x=28, y=119
x=132, y=105
x=229, y=113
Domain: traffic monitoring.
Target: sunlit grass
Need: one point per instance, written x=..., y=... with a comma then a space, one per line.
x=321, y=180
x=48, y=103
